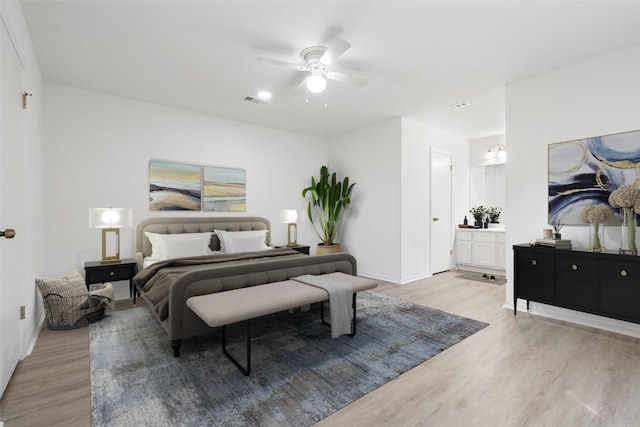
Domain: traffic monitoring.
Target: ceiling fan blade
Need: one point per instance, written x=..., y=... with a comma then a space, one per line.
x=335, y=51
x=347, y=78
x=282, y=63
x=300, y=86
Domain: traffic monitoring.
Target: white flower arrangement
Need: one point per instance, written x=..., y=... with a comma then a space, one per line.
x=596, y=215
x=627, y=197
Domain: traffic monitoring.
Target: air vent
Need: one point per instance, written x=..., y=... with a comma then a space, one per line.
x=458, y=105
x=255, y=100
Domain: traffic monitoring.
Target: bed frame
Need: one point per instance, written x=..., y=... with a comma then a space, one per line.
x=184, y=323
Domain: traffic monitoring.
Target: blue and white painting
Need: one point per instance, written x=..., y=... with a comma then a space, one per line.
x=174, y=186
x=584, y=172
x=225, y=189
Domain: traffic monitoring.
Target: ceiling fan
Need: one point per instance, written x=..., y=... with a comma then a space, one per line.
x=317, y=61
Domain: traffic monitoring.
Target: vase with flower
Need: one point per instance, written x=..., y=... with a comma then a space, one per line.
x=594, y=216
x=626, y=197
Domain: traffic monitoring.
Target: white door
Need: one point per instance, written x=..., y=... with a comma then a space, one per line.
x=441, y=211
x=11, y=186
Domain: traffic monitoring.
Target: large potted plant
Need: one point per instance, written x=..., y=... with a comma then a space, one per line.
x=329, y=198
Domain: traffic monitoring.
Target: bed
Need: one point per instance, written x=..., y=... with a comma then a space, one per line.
x=167, y=284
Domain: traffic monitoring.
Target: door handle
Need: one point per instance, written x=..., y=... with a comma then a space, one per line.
x=8, y=233
x=435, y=218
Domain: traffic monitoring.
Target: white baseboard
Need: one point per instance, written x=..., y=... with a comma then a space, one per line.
x=394, y=280
x=578, y=317
x=33, y=338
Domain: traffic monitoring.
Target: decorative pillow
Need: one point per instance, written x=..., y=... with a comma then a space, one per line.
x=70, y=285
x=242, y=241
x=168, y=246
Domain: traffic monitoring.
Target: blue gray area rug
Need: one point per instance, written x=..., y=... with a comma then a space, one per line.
x=299, y=374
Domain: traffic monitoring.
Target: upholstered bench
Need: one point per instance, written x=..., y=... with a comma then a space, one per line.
x=237, y=305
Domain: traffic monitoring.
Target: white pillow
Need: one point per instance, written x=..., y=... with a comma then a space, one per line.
x=168, y=246
x=242, y=241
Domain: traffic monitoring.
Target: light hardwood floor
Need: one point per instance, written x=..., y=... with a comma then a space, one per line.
x=519, y=371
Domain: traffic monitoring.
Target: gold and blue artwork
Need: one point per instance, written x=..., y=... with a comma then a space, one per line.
x=225, y=189
x=174, y=186
x=584, y=172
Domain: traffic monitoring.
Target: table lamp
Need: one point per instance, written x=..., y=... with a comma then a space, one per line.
x=290, y=216
x=110, y=220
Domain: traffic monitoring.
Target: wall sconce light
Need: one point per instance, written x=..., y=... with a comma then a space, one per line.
x=496, y=152
x=110, y=220
x=290, y=216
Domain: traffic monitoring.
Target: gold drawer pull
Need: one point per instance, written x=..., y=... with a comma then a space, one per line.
x=623, y=273
x=574, y=267
x=534, y=262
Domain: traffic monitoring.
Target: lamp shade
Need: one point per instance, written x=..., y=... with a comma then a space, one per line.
x=289, y=216
x=109, y=217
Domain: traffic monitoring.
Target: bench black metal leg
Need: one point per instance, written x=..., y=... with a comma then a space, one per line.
x=353, y=319
x=226, y=353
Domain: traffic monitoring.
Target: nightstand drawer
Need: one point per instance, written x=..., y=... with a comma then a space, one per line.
x=97, y=272
x=303, y=249
x=110, y=274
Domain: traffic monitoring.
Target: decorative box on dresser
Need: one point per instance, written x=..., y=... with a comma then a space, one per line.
x=482, y=250
x=606, y=284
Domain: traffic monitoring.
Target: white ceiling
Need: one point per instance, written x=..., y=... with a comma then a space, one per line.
x=420, y=56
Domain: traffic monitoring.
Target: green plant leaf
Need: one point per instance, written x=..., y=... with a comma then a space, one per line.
x=328, y=199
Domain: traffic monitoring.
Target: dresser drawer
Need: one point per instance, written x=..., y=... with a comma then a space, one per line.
x=534, y=276
x=576, y=282
x=620, y=290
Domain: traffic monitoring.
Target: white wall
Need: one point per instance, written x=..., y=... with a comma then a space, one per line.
x=417, y=141
x=97, y=153
x=370, y=157
x=597, y=97
x=387, y=228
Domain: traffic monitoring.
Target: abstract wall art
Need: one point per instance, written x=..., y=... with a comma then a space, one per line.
x=585, y=171
x=224, y=189
x=174, y=186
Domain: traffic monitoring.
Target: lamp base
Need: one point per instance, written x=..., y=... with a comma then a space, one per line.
x=110, y=245
x=292, y=235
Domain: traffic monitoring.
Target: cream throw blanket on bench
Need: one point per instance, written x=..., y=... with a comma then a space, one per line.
x=340, y=296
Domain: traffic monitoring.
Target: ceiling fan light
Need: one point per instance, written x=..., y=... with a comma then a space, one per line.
x=316, y=83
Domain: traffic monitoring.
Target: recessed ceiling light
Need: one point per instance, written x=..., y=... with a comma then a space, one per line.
x=458, y=105
x=264, y=94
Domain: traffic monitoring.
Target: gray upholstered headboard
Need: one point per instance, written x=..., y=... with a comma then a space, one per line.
x=194, y=225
